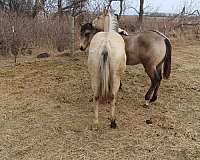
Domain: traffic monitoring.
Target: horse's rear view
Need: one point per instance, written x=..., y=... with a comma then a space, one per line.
x=106, y=63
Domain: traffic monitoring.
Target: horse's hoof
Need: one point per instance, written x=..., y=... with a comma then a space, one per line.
x=91, y=100
x=153, y=99
x=147, y=102
x=113, y=124
x=149, y=121
x=94, y=127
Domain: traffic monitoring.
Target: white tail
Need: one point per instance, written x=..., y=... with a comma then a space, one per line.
x=104, y=84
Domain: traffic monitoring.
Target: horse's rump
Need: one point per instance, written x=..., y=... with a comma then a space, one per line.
x=105, y=59
x=104, y=86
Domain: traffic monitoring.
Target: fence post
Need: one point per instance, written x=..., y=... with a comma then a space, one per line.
x=73, y=35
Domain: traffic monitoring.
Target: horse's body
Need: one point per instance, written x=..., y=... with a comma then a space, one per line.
x=145, y=48
x=153, y=50
x=106, y=63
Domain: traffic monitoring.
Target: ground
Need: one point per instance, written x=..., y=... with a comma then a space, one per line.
x=46, y=112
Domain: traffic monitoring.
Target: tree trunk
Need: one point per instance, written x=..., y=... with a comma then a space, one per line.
x=60, y=8
x=140, y=19
x=35, y=10
x=72, y=33
x=38, y=7
x=121, y=7
x=71, y=20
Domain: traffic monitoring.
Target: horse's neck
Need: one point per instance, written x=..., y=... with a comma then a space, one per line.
x=111, y=23
x=107, y=24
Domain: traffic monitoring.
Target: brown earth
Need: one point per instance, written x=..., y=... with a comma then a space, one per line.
x=45, y=112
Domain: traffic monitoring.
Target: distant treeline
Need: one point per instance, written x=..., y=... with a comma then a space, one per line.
x=160, y=14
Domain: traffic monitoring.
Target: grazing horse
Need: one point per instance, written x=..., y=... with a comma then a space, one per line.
x=106, y=63
x=152, y=49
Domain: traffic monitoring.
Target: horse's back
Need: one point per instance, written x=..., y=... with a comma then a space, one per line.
x=145, y=46
x=114, y=38
x=111, y=40
x=145, y=40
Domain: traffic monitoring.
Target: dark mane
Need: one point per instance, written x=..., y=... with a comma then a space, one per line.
x=88, y=26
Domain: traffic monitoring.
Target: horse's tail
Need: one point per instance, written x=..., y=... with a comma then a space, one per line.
x=167, y=59
x=104, y=84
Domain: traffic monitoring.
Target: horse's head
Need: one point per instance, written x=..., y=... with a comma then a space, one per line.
x=106, y=22
x=87, y=32
x=99, y=21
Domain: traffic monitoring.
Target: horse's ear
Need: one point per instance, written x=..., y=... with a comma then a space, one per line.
x=105, y=11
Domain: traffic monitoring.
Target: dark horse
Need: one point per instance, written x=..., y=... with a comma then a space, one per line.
x=152, y=49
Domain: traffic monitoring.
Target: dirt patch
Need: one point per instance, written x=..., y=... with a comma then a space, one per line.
x=46, y=113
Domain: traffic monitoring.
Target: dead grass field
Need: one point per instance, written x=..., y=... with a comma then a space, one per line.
x=45, y=112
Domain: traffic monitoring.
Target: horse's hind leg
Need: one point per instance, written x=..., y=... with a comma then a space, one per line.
x=155, y=78
x=158, y=84
x=96, y=113
x=96, y=105
x=115, y=88
x=113, y=119
x=120, y=86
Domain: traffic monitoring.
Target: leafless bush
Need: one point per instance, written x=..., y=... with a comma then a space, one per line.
x=50, y=32
x=166, y=24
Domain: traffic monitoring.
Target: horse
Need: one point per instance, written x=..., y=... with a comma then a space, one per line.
x=106, y=63
x=151, y=48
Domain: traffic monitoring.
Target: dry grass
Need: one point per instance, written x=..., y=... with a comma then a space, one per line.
x=45, y=111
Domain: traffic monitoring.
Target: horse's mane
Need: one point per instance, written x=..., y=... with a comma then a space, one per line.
x=113, y=23
x=88, y=26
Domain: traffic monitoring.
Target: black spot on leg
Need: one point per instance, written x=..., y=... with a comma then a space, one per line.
x=113, y=124
x=111, y=96
x=91, y=100
x=120, y=87
x=96, y=98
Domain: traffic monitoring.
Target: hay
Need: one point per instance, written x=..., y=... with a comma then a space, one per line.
x=45, y=112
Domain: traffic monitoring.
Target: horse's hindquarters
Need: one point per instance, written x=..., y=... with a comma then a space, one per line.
x=114, y=45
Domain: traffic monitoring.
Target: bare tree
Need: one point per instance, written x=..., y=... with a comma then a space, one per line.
x=17, y=6
x=39, y=7
x=121, y=6
x=141, y=12
x=73, y=9
x=14, y=48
